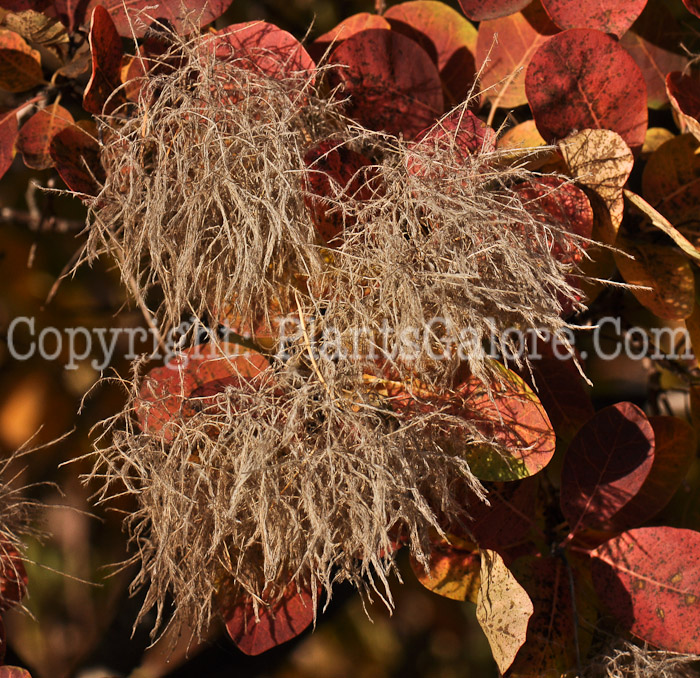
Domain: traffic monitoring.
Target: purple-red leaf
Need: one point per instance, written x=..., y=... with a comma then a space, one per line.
x=478, y=10
x=649, y=578
x=606, y=465
x=35, y=137
x=8, y=136
x=353, y=24
x=106, y=51
x=684, y=93
x=693, y=6
x=446, y=35
x=578, y=79
x=609, y=16
x=264, y=48
x=390, y=81
x=277, y=623
x=674, y=451
x=76, y=155
x=133, y=18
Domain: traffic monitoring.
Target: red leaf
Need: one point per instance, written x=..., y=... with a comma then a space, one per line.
x=693, y=6
x=649, y=578
x=478, y=10
x=674, y=451
x=514, y=418
x=13, y=576
x=578, y=79
x=106, y=51
x=3, y=643
x=606, y=465
x=504, y=49
x=70, y=12
x=444, y=34
x=347, y=27
x=279, y=622
x=76, y=154
x=20, y=65
x=8, y=136
x=13, y=672
x=200, y=371
x=460, y=132
x=566, y=207
x=133, y=18
x=391, y=82
x=684, y=93
x=267, y=49
x=608, y=16
x=336, y=173
x=36, y=134
x=654, y=43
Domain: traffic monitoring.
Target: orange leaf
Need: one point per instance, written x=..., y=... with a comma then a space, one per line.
x=35, y=137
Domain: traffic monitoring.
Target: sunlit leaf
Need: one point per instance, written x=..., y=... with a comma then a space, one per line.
x=600, y=160
x=649, y=579
x=8, y=135
x=13, y=672
x=264, y=48
x=35, y=137
x=608, y=16
x=133, y=18
x=446, y=35
x=665, y=271
x=511, y=414
x=605, y=465
x=276, y=622
x=347, y=27
x=20, y=65
x=577, y=79
x=503, y=609
x=106, y=51
x=565, y=206
x=453, y=569
x=504, y=50
x=478, y=10
x=392, y=83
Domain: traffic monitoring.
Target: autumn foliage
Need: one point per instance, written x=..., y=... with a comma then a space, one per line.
x=492, y=167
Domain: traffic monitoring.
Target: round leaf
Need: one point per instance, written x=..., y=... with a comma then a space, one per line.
x=392, y=83
x=504, y=50
x=503, y=609
x=444, y=33
x=35, y=137
x=8, y=136
x=478, y=10
x=276, y=623
x=684, y=94
x=609, y=16
x=606, y=465
x=578, y=79
x=133, y=18
x=76, y=155
x=649, y=578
